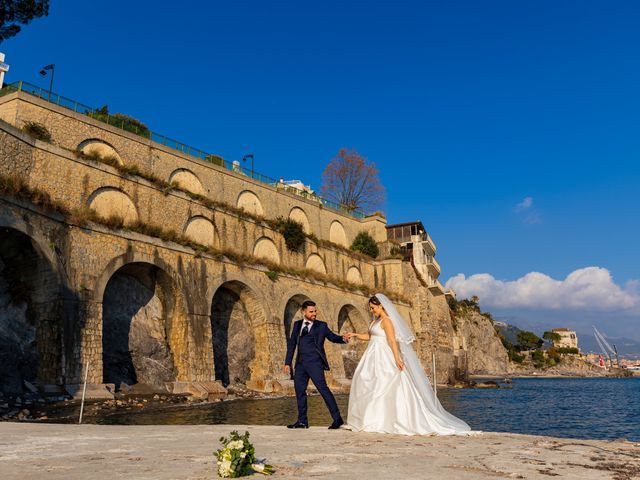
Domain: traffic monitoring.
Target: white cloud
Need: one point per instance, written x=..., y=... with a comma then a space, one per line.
x=524, y=204
x=590, y=288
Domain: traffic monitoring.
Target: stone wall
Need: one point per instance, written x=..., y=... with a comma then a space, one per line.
x=82, y=183
x=133, y=308
x=71, y=131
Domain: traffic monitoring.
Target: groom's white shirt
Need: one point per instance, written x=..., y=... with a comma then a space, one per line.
x=306, y=322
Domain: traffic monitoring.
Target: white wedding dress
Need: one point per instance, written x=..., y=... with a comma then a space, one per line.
x=387, y=400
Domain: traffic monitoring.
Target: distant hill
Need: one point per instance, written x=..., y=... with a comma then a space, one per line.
x=586, y=341
x=625, y=346
x=510, y=332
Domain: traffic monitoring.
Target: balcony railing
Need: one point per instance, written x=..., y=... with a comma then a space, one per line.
x=437, y=288
x=118, y=122
x=433, y=263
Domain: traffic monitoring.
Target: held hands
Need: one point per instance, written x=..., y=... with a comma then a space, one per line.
x=348, y=336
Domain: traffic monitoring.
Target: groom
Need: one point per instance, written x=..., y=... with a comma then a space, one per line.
x=308, y=336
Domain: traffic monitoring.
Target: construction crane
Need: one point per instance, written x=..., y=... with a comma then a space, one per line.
x=607, y=349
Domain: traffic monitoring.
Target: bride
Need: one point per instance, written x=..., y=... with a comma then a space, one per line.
x=390, y=392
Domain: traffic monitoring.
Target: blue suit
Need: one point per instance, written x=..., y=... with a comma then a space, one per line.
x=311, y=362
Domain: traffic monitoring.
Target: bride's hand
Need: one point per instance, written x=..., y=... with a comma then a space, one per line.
x=399, y=364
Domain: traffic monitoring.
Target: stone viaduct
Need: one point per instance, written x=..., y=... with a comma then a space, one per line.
x=125, y=307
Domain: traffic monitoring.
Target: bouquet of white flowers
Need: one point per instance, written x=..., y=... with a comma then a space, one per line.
x=236, y=458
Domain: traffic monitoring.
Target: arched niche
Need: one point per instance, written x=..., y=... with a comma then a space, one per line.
x=293, y=312
x=237, y=319
x=250, y=203
x=200, y=230
x=111, y=202
x=31, y=326
x=265, y=248
x=315, y=262
x=350, y=320
x=337, y=234
x=354, y=275
x=297, y=215
x=100, y=148
x=187, y=180
x=138, y=310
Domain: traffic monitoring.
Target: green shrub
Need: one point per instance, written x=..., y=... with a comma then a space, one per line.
x=215, y=159
x=273, y=276
x=515, y=356
x=121, y=120
x=568, y=350
x=552, y=336
x=37, y=131
x=365, y=243
x=553, y=356
x=293, y=233
x=537, y=356
x=528, y=340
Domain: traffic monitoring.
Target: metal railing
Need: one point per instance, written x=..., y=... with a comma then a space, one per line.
x=124, y=123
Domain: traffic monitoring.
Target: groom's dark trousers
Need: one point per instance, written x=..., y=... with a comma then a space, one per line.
x=311, y=363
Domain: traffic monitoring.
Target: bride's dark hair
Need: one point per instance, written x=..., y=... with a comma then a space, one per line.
x=375, y=300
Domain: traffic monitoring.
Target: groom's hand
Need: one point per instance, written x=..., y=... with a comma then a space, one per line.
x=286, y=369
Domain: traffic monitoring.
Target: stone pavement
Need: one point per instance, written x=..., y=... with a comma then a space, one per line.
x=69, y=452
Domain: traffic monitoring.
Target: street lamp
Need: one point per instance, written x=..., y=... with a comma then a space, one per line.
x=43, y=72
x=245, y=158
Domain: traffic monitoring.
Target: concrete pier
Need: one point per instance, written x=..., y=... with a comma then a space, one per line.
x=69, y=452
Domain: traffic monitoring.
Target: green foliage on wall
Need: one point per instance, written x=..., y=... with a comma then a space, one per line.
x=365, y=243
x=121, y=120
x=293, y=233
x=37, y=131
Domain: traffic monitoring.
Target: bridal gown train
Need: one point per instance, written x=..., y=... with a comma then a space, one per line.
x=387, y=400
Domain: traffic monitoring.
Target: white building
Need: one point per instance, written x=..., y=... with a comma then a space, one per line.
x=568, y=338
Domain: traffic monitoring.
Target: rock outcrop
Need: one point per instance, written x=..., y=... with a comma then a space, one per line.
x=478, y=338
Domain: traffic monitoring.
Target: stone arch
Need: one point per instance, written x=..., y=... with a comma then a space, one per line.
x=238, y=319
x=249, y=202
x=110, y=201
x=292, y=312
x=315, y=262
x=200, y=230
x=31, y=327
x=187, y=180
x=351, y=320
x=140, y=306
x=298, y=215
x=354, y=275
x=337, y=234
x=95, y=146
x=266, y=248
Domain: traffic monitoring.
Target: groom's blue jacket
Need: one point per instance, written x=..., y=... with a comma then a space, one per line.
x=320, y=331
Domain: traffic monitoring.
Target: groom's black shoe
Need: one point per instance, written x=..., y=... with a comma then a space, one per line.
x=336, y=424
x=298, y=425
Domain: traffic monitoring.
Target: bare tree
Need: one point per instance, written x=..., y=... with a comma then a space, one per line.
x=352, y=181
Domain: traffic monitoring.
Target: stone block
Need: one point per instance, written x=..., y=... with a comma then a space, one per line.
x=260, y=385
x=284, y=387
x=214, y=389
x=197, y=390
x=94, y=391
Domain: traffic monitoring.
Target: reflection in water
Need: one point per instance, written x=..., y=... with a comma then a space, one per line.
x=276, y=411
x=604, y=408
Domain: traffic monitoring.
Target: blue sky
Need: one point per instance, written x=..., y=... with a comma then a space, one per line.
x=511, y=129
